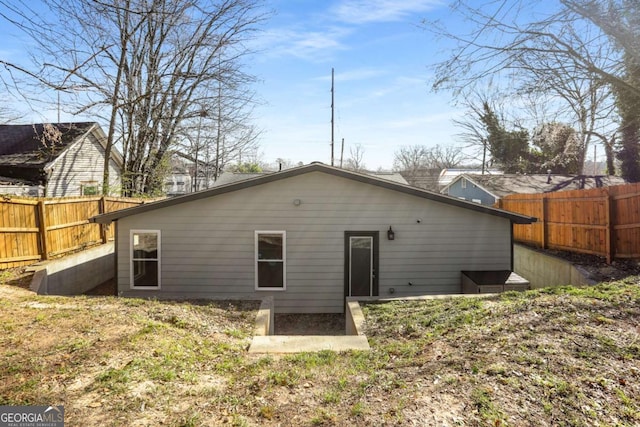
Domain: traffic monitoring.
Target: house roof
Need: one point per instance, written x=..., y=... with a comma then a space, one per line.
x=389, y=176
x=502, y=185
x=449, y=175
x=4, y=180
x=26, y=151
x=230, y=177
x=434, y=179
x=301, y=170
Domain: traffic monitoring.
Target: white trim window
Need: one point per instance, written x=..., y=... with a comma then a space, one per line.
x=89, y=188
x=463, y=183
x=145, y=259
x=271, y=260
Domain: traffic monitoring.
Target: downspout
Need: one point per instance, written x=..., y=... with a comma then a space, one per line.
x=115, y=254
x=512, y=243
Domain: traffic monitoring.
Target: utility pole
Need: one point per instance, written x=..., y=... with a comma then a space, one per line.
x=202, y=113
x=332, y=116
x=484, y=153
x=341, y=152
x=219, y=130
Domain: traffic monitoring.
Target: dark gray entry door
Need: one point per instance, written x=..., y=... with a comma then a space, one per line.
x=361, y=252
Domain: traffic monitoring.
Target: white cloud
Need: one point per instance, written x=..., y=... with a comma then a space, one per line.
x=423, y=120
x=309, y=45
x=367, y=11
x=357, y=74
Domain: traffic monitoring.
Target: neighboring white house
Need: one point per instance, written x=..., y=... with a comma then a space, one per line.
x=308, y=236
x=56, y=160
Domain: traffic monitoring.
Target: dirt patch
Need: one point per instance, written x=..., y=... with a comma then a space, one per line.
x=17, y=277
x=309, y=324
x=104, y=289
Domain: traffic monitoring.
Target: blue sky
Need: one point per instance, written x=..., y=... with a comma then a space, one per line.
x=382, y=59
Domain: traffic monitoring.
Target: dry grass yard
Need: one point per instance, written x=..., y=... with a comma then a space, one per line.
x=557, y=357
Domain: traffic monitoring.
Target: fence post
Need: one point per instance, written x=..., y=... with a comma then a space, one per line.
x=610, y=230
x=42, y=226
x=543, y=222
x=103, y=227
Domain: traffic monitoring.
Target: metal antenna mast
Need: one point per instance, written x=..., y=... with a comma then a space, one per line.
x=332, y=116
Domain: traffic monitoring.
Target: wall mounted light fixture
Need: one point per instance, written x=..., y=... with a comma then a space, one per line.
x=390, y=234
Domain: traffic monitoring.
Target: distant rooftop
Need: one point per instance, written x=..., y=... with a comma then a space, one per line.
x=449, y=174
x=231, y=177
x=503, y=185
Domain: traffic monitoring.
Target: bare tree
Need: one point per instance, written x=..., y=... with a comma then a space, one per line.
x=581, y=37
x=8, y=115
x=421, y=165
x=411, y=158
x=585, y=101
x=218, y=136
x=570, y=59
x=474, y=133
x=443, y=157
x=151, y=65
x=355, y=162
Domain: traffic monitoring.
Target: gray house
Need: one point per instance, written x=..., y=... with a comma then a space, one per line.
x=56, y=160
x=488, y=189
x=308, y=236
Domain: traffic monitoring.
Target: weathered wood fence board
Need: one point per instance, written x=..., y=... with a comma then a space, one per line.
x=36, y=229
x=601, y=221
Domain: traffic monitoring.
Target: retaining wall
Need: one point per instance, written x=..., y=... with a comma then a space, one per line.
x=543, y=270
x=75, y=274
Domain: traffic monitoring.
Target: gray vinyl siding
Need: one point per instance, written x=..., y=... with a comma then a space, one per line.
x=82, y=162
x=470, y=193
x=208, y=244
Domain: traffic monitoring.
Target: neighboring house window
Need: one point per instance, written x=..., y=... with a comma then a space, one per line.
x=476, y=201
x=89, y=188
x=145, y=259
x=463, y=183
x=271, y=260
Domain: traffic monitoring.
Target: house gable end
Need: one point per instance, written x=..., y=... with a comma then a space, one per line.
x=80, y=166
x=314, y=167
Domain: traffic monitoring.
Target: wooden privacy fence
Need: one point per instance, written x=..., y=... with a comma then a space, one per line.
x=600, y=221
x=37, y=229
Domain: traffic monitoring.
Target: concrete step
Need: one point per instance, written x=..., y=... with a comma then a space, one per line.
x=307, y=343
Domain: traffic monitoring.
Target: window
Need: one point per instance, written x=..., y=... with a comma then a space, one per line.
x=463, y=183
x=271, y=260
x=145, y=259
x=89, y=188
